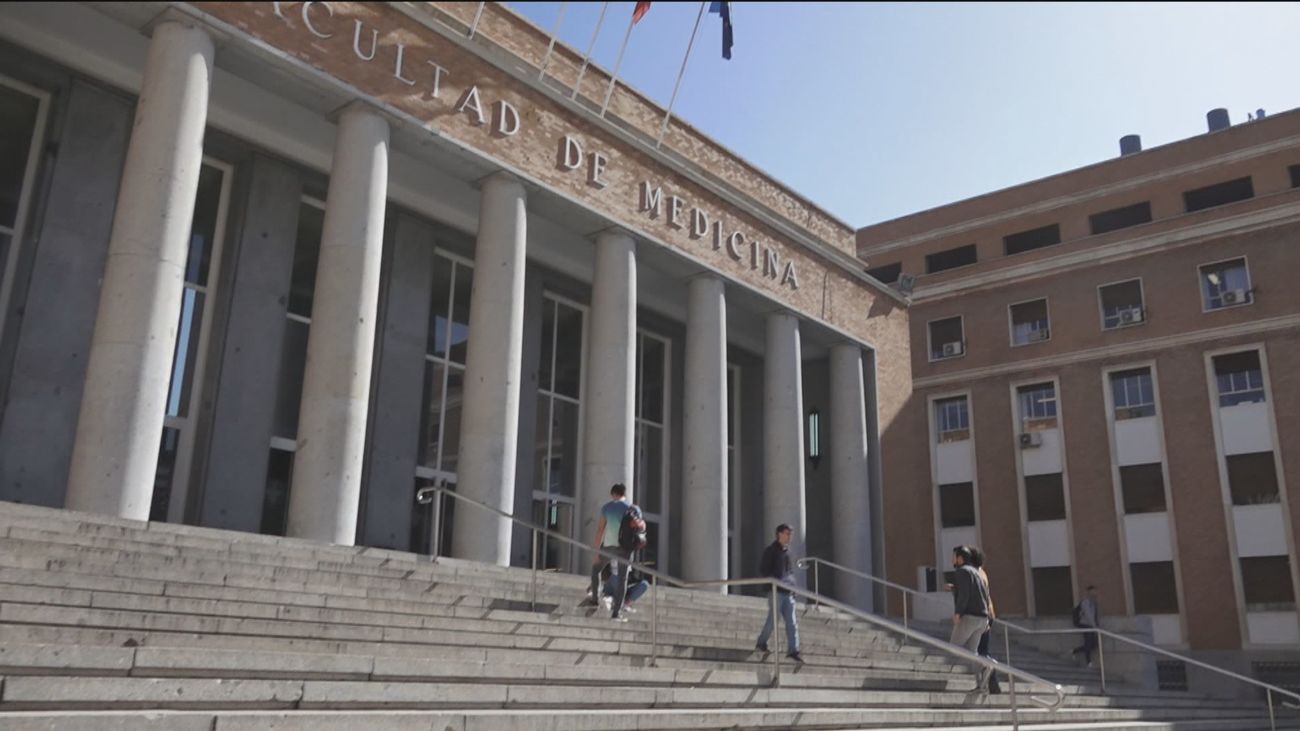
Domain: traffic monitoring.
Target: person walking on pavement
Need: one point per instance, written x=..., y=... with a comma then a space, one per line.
x=606, y=538
x=1087, y=614
x=776, y=564
x=970, y=614
x=977, y=560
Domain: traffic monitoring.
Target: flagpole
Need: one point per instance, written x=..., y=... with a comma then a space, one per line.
x=587, y=58
x=613, y=78
x=669, y=114
x=478, y=15
x=546, y=60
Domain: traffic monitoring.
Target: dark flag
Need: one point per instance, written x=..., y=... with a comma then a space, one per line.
x=723, y=8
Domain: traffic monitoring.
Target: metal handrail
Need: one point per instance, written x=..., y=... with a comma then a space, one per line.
x=433, y=494
x=1268, y=688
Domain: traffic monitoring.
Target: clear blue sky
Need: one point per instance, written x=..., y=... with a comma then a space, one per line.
x=874, y=111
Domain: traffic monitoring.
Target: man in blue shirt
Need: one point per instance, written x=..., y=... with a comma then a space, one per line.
x=611, y=517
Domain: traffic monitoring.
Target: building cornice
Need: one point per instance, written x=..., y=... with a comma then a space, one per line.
x=1057, y=202
x=1119, y=350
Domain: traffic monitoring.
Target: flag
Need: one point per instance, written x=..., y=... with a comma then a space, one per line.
x=639, y=12
x=723, y=8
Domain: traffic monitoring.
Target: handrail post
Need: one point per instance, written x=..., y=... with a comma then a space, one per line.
x=1011, y=680
x=1272, y=722
x=776, y=637
x=654, y=620
x=1006, y=639
x=1101, y=660
x=905, y=616
x=437, y=525
x=817, y=581
x=534, y=569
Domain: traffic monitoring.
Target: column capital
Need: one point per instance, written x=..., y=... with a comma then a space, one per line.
x=707, y=276
x=358, y=108
x=501, y=178
x=610, y=232
x=176, y=16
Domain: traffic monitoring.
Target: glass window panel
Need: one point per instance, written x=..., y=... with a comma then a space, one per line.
x=652, y=380
x=165, y=474
x=459, y=336
x=275, y=501
x=422, y=519
x=1029, y=322
x=545, y=379
x=1053, y=592
x=541, y=443
x=1240, y=378
x=439, y=301
x=952, y=417
x=1120, y=298
x=431, y=419
x=957, y=505
x=17, y=125
x=451, y=422
x=651, y=553
x=1252, y=478
x=649, y=468
x=1143, y=488
x=288, y=393
x=1133, y=393
x=1045, y=497
x=731, y=409
x=1220, y=282
x=306, y=255
x=1155, y=590
x=564, y=449
x=1038, y=402
x=203, y=231
x=1266, y=582
x=185, y=356
x=945, y=332
x=568, y=350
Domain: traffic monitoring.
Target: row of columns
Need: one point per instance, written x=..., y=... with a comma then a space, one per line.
x=117, y=444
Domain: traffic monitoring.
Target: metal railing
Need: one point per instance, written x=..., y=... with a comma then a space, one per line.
x=434, y=495
x=1009, y=627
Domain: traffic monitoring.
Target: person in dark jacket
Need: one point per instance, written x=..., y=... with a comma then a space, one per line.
x=776, y=564
x=970, y=613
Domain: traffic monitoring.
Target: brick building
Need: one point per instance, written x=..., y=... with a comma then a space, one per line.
x=1104, y=388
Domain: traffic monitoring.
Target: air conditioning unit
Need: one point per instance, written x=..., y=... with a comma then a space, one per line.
x=1038, y=336
x=952, y=349
x=1131, y=317
x=1031, y=439
x=1234, y=297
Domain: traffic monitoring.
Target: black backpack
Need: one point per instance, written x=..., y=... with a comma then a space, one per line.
x=631, y=530
x=1078, y=615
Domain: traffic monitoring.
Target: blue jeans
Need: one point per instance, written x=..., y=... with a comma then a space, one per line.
x=634, y=592
x=784, y=604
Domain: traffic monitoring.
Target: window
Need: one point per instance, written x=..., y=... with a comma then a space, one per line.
x=1121, y=304
x=950, y=259
x=1226, y=284
x=651, y=488
x=887, y=274
x=1266, y=582
x=1036, y=238
x=957, y=505
x=1029, y=323
x=1038, y=404
x=1118, y=218
x=275, y=500
x=1134, y=394
x=207, y=229
x=1252, y=478
x=1155, y=591
x=22, y=117
x=952, y=419
x=1295, y=175
x=1045, y=497
x=946, y=338
x=1218, y=194
x=1143, y=488
x=1053, y=591
x=558, y=429
x=1239, y=378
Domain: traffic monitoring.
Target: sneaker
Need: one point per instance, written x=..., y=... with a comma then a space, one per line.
x=795, y=656
x=607, y=602
x=762, y=647
x=618, y=619
x=629, y=608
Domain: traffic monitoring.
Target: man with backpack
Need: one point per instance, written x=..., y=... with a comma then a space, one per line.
x=620, y=530
x=775, y=564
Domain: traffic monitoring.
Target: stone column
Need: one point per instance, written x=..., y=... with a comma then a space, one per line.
x=850, y=474
x=783, y=458
x=704, y=469
x=489, y=426
x=115, y=455
x=610, y=399
x=326, y=490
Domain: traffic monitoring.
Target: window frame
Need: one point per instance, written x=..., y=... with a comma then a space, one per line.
x=1214, y=378
x=661, y=517
x=1114, y=404
x=1011, y=322
x=929, y=340
x=940, y=418
x=26, y=192
x=1101, y=305
x=1201, y=282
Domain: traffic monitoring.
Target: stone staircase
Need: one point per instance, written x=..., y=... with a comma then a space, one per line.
x=115, y=624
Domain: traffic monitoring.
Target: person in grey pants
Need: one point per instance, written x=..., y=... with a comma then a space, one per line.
x=970, y=613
